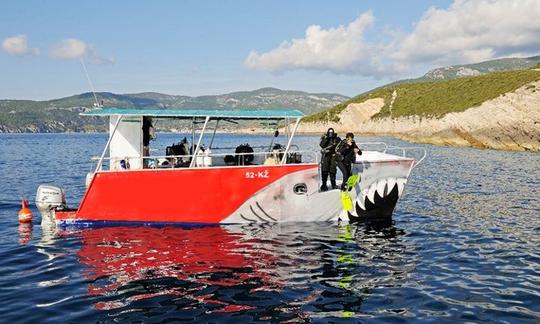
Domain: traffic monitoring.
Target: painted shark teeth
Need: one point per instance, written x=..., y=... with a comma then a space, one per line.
x=382, y=187
x=353, y=212
x=391, y=184
x=371, y=193
x=401, y=185
x=362, y=198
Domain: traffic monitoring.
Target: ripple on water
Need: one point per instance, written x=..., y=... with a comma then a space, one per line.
x=464, y=246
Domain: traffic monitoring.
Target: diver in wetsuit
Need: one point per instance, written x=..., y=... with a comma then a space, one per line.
x=345, y=156
x=328, y=165
x=147, y=134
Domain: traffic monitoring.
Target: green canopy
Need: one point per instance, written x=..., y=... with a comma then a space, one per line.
x=247, y=113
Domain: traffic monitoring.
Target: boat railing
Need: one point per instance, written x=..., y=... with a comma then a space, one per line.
x=273, y=157
x=373, y=146
x=262, y=147
x=213, y=159
x=396, y=150
x=406, y=151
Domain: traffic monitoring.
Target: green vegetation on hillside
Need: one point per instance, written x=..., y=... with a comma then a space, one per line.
x=437, y=98
x=62, y=115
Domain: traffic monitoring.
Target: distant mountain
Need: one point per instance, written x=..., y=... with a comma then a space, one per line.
x=499, y=65
x=261, y=98
x=62, y=115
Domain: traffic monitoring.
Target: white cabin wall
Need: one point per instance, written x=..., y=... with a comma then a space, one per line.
x=126, y=142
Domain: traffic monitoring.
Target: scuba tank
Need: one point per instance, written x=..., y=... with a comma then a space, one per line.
x=207, y=159
x=199, y=159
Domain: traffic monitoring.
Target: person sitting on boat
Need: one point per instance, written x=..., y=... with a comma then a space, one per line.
x=345, y=156
x=328, y=165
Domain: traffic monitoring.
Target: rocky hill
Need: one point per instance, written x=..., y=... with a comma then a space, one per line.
x=498, y=110
x=499, y=65
x=475, y=69
x=62, y=115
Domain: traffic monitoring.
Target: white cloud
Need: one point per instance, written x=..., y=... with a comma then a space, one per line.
x=340, y=49
x=18, y=46
x=68, y=49
x=467, y=31
x=72, y=48
x=472, y=31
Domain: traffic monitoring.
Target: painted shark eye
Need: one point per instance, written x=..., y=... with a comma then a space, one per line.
x=300, y=189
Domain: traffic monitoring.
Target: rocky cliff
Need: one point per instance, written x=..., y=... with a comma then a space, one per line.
x=510, y=121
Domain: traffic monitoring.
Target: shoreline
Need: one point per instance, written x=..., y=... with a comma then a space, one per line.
x=448, y=141
x=437, y=141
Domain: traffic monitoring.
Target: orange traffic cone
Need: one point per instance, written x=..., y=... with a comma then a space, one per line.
x=25, y=214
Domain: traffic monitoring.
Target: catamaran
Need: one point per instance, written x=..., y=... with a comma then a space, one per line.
x=202, y=183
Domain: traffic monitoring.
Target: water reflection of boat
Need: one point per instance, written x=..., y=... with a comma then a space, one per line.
x=121, y=257
x=234, y=268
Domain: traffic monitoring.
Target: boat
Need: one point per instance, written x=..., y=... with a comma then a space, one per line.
x=200, y=182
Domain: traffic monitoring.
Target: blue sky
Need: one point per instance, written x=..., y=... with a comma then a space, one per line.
x=212, y=47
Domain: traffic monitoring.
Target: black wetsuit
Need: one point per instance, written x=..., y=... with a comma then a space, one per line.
x=328, y=164
x=345, y=157
x=146, y=131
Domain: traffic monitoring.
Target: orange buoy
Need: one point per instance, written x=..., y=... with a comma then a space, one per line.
x=25, y=214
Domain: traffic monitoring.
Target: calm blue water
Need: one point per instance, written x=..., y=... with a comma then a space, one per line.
x=464, y=246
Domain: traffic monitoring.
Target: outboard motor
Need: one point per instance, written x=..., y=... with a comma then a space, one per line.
x=49, y=197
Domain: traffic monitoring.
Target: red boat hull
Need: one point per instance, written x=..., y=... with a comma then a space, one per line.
x=200, y=195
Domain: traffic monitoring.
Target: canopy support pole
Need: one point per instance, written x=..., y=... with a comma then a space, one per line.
x=214, y=134
x=287, y=128
x=100, y=163
x=284, y=159
x=192, y=132
x=197, y=149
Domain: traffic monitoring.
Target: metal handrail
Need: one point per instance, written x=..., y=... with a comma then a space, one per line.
x=405, y=149
x=373, y=144
x=385, y=149
x=253, y=147
x=193, y=157
x=95, y=158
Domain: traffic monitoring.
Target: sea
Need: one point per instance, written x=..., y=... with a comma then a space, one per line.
x=463, y=246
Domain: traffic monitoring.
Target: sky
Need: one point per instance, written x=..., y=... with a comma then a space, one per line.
x=213, y=47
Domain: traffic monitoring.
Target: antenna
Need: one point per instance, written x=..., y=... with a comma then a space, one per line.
x=96, y=103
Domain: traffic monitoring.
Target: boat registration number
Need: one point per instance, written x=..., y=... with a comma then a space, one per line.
x=265, y=174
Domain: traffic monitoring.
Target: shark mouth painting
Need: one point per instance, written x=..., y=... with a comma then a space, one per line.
x=378, y=200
